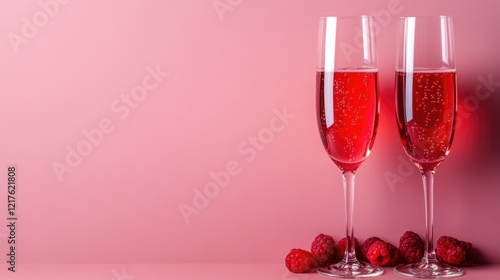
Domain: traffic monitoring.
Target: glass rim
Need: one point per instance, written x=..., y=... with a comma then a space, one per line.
x=347, y=16
x=426, y=16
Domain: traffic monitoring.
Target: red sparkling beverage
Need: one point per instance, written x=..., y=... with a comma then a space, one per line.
x=348, y=106
x=426, y=115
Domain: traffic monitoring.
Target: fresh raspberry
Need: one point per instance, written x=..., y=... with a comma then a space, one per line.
x=471, y=254
x=411, y=247
x=449, y=251
x=366, y=246
x=298, y=261
x=383, y=254
x=396, y=255
x=340, y=252
x=323, y=249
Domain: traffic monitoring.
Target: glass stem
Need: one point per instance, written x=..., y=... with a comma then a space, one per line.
x=350, y=249
x=428, y=180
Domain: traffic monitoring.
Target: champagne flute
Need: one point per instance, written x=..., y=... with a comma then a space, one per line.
x=426, y=104
x=347, y=112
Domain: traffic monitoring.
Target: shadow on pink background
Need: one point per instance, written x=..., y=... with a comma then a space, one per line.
x=118, y=114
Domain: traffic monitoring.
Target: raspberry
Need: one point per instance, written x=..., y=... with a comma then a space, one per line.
x=449, y=251
x=323, y=249
x=366, y=245
x=383, y=254
x=411, y=247
x=340, y=252
x=299, y=261
x=396, y=255
x=471, y=254
x=455, y=252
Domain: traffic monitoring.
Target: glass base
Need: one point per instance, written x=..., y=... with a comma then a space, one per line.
x=351, y=270
x=431, y=269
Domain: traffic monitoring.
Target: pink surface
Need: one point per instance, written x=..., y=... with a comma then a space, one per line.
x=122, y=115
x=194, y=271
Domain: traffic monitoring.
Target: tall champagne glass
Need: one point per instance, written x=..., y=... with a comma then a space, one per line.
x=347, y=112
x=426, y=104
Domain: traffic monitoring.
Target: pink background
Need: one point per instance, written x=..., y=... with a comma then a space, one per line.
x=229, y=73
